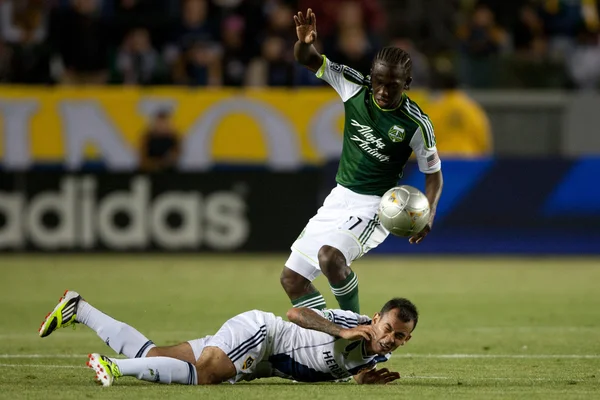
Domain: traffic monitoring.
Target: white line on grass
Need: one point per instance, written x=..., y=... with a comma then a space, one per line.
x=40, y=366
x=43, y=356
x=459, y=378
x=526, y=356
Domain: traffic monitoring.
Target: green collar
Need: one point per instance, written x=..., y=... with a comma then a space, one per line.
x=388, y=109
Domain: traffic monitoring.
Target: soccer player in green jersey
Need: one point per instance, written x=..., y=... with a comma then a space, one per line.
x=383, y=127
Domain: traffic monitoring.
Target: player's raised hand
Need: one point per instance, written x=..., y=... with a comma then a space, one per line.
x=356, y=333
x=306, y=26
x=418, y=238
x=378, y=376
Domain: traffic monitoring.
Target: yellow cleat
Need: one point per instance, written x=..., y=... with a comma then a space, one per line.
x=63, y=315
x=106, y=370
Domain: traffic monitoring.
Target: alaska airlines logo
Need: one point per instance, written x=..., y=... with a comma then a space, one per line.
x=369, y=142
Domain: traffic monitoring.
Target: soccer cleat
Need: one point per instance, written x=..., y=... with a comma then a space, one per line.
x=106, y=370
x=63, y=315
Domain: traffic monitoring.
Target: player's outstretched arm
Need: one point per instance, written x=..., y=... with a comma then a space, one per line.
x=309, y=319
x=304, y=49
x=433, y=191
x=376, y=376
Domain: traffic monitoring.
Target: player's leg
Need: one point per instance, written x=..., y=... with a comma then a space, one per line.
x=348, y=242
x=342, y=280
x=302, y=267
x=122, y=338
x=237, y=348
x=213, y=367
x=300, y=290
x=152, y=369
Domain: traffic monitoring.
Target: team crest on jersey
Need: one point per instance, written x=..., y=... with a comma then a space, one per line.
x=335, y=67
x=248, y=363
x=396, y=133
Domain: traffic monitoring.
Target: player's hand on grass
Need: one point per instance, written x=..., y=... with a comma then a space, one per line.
x=418, y=238
x=377, y=376
x=359, y=332
x=306, y=27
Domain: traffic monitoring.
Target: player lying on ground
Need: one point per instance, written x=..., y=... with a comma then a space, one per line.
x=382, y=128
x=316, y=346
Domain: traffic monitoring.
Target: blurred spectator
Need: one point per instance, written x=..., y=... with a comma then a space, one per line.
x=421, y=73
x=280, y=21
x=353, y=49
x=194, y=50
x=195, y=26
x=82, y=39
x=137, y=61
x=5, y=57
x=131, y=14
x=562, y=19
x=529, y=36
x=273, y=68
x=328, y=13
x=462, y=127
x=351, y=25
x=24, y=27
x=584, y=62
x=482, y=37
x=199, y=65
x=160, y=147
x=236, y=56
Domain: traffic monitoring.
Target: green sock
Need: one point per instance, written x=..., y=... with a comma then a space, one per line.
x=346, y=293
x=312, y=300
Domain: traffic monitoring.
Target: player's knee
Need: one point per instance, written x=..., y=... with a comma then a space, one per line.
x=332, y=262
x=207, y=377
x=214, y=367
x=292, y=281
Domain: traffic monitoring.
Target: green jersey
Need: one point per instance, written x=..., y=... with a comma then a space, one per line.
x=377, y=142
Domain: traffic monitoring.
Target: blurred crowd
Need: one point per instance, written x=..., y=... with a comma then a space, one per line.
x=485, y=43
x=182, y=42
x=543, y=43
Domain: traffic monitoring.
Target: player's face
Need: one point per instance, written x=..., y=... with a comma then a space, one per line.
x=390, y=332
x=388, y=83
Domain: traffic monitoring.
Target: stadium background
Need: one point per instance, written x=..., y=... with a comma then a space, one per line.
x=512, y=91
x=131, y=126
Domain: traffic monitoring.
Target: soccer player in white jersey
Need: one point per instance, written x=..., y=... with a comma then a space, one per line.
x=316, y=346
x=383, y=127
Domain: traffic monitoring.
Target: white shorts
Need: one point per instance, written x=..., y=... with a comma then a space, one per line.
x=347, y=221
x=247, y=339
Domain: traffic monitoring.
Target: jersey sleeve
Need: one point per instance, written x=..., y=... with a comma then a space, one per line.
x=423, y=145
x=345, y=80
x=343, y=318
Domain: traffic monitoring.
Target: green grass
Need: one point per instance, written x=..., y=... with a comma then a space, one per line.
x=534, y=323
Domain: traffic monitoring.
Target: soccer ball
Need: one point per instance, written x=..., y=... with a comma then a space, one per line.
x=404, y=211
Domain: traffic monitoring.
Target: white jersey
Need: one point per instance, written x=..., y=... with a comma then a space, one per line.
x=311, y=356
x=262, y=345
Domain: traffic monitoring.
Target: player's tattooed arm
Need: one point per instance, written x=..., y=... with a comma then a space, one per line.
x=309, y=319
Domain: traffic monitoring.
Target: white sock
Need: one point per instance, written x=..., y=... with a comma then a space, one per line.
x=121, y=337
x=159, y=369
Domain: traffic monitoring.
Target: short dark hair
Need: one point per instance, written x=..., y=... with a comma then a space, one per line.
x=395, y=56
x=407, y=311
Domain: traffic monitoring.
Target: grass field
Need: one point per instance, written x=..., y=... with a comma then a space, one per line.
x=489, y=328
